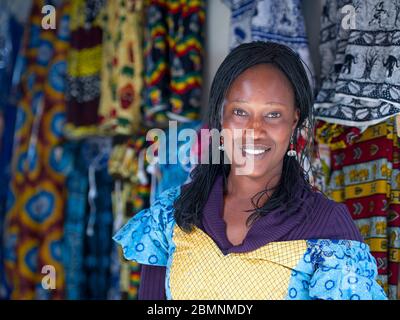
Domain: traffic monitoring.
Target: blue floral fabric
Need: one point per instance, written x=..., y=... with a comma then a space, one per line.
x=328, y=270
x=147, y=237
x=336, y=270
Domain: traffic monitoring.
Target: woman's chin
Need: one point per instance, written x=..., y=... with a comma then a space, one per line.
x=250, y=172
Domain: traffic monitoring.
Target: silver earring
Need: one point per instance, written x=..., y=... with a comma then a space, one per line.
x=291, y=152
x=221, y=147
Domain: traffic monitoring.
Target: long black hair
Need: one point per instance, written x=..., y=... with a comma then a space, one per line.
x=190, y=203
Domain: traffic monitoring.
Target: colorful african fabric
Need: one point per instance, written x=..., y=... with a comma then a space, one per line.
x=364, y=174
x=33, y=225
x=131, y=194
x=88, y=220
x=12, y=19
x=122, y=67
x=99, y=222
x=268, y=20
x=173, y=60
x=84, y=68
x=359, y=51
x=74, y=225
x=199, y=267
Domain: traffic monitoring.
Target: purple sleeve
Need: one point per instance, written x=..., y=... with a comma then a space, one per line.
x=152, y=283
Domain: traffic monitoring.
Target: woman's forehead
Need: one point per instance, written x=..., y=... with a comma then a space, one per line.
x=261, y=83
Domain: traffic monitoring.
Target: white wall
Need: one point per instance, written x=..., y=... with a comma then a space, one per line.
x=217, y=37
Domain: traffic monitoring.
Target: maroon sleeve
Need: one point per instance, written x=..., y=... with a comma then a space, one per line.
x=152, y=283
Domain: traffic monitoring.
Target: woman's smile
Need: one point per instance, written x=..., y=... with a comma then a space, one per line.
x=257, y=152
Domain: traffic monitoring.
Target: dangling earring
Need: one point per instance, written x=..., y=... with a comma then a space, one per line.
x=221, y=146
x=291, y=152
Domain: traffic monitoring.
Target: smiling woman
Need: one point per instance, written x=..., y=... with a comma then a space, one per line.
x=266, y=234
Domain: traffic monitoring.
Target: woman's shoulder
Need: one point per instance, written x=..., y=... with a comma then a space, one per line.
x=329, y=219
x=146, y=237
x=339, y=270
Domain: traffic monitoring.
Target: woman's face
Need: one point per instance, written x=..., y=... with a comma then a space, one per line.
x=262, y=99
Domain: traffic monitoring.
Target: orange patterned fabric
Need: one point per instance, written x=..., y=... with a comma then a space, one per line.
x=34, y=220
x=365, y=175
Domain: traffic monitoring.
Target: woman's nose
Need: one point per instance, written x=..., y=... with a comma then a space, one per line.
x=257, y=125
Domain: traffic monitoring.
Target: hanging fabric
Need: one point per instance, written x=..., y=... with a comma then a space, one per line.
x=99, y=221
x=365, y=176
x=268, y=20
x=88, y=222
x=74, y=224
x=359, y=59
x=122, y=67
x=33, y=225
x=173, y=61
x=84, y=68
x=168, y=175
x=130, y=195
x=13, y=16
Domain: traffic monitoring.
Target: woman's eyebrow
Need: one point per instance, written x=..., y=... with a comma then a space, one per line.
x=266, y=103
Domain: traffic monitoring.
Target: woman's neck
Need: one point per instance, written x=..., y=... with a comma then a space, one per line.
x=245, y=187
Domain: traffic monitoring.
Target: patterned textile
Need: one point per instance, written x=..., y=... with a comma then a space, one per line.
x=171, y=174
x=98, y=246
x=242, y=12
x=174, y=36
x=114, y=290
x=197, y=269
x=131, y=194
x=134, y=280
x=11, y=32
x=359, y=67
x=85, y=187
x=83, y=68
x=364, y=174
x=74, y=224
x=268, y=20
x=33, y=225
x=121, y=73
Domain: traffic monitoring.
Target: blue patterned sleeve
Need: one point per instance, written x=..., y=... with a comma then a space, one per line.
x=146, y=237
x=343, y=270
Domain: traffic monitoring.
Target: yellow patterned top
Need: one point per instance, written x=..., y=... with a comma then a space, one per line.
x=201, y=271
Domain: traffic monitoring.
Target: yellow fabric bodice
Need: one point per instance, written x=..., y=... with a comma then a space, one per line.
x=200, y=271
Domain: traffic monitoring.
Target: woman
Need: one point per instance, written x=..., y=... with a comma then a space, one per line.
x=263, y=235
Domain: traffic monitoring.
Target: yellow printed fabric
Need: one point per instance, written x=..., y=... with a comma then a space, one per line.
x=33, y=227
x=365, y=175
x=83, y=68
x=121, y=77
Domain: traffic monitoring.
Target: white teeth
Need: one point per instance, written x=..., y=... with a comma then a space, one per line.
x=254, y=151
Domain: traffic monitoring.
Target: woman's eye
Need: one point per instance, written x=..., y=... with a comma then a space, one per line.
x=273, y=115
x=239, y=112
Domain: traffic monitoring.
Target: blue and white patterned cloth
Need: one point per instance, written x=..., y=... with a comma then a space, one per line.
x=268, y=20
x=335, y=270
x=360, y=66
